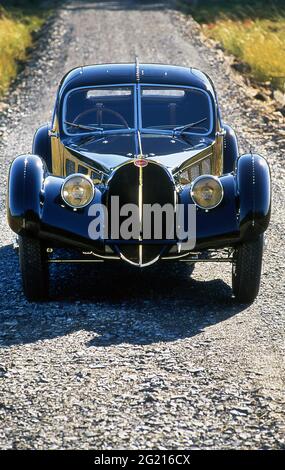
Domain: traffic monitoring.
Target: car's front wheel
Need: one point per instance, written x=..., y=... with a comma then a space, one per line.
x=34, y=268
x=247, y=266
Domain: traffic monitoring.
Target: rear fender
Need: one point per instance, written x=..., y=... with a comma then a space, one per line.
x=42, y=145
x=231, y=152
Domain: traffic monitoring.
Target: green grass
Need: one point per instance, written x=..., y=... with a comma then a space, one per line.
x=19, y=20
x=253, y=31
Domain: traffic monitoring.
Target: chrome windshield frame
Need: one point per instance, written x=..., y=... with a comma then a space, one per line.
x=137, y=90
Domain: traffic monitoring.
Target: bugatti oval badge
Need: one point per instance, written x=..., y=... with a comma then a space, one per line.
x=141, y=162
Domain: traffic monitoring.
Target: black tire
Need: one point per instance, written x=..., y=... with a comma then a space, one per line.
x=247, y=270
x=34, y=268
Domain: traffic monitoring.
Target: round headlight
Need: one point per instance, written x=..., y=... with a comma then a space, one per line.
x=207, y=191
x=77, y=190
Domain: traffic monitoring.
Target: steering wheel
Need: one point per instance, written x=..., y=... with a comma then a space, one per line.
x=99, y=111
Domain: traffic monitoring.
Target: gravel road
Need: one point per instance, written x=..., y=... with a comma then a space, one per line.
x=125, y=359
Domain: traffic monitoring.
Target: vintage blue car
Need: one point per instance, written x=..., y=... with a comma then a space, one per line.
x=137, y=166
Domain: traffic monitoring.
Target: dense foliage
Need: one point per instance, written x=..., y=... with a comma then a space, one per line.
x=252, y=30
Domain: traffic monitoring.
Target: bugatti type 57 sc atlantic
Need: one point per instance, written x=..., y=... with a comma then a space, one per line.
x=129, y=137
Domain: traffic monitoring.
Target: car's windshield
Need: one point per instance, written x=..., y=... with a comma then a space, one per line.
x=99, y=109
x=113, y=109
x=165, y=107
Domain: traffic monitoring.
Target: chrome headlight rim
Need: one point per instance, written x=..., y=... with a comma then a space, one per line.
x=199, y=178
x=74, y=175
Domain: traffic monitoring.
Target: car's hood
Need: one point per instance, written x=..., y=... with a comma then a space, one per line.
x=109, y=152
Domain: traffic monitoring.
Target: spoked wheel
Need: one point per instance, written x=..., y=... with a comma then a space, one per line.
x=34, y=268
x=247, y=270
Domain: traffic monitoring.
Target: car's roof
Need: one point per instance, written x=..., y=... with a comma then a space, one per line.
x=129, y=73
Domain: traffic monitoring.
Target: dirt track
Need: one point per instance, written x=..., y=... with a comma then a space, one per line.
x=123, y=359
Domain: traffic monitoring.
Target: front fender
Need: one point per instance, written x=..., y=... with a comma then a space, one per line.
x=25, y=183
x=218, y=226
x=254, y=192
x=61, y=223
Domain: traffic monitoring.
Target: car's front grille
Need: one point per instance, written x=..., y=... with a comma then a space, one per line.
x=156, y=188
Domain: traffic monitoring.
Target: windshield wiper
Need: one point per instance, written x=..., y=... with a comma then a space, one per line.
x=182, y=129
x=83, y=140
x=81, y=126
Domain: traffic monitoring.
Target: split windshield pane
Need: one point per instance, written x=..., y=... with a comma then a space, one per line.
x=110, y=108
x=170, y=107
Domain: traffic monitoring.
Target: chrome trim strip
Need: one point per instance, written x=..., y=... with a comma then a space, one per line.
x=137, y=264
x=104, y=257
x=140, y=213
x=221, y=260
x=75, y=261
x=137, y=69
x=140, y=145
x=140, y=255
x=175, y=256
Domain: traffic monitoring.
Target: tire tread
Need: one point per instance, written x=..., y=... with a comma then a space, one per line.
x=246, y=280
x=34, y=268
